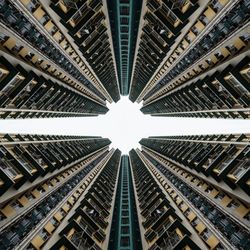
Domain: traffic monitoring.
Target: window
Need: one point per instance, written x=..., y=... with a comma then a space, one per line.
x=235, y=84
x=124, y=10
x=3, y=72
x=246, y=73
x=219, y=196
x=206, y=234
x=187, y=212
x=63, y=213
x=216, y=5
x=233, y=204
x=124, y=29
x=195, y=222
x=247, y=216
x=124, y=21
x=32, y=5
x=54, y=222
x=30, y=197
x=125, y=220
x=44, y=235
x=11, y=171
x=2, y=216
x=15, y=81
x=125, y=241
x=125, y=230
x=16, y=205
x=41, y=190
x=219, y=247
x=125, y=213
x=241, y=168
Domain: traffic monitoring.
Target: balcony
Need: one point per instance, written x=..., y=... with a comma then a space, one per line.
x=168, y=241
x=26, y=165
x=239, y=171
x=82, y=241
x=205, y=234
x=224, y=164
x=8, y=167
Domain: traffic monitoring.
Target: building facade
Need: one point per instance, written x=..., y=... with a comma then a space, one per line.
x=27, y=94
x=162, y=226
x=47, y=71
x=42, y=179
x=162, y=23
x=198, y=63
x=71, y=192
x=124, y=22
x=125, y=228
x=88, y=25
x=207, y=177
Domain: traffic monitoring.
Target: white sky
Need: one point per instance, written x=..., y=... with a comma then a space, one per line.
x=125, y=125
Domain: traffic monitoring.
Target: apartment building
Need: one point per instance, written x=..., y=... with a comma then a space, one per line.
x=42, y=178
x=124, y=22
x=204, y=70
x=207, y=177
x=43, y=70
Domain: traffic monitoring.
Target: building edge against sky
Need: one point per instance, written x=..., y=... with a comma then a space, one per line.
x=69, y=192
x=65, y=58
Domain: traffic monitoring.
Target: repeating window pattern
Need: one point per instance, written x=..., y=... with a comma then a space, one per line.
x=65, y=58
x=24, y=94
x=88, y=26
x=162, y=24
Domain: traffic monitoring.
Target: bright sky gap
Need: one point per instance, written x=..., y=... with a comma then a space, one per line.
x=125, y=125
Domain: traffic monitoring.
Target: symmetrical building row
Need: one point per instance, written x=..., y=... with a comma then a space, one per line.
x=26, y=94
x=71, y=192
x=181, y=58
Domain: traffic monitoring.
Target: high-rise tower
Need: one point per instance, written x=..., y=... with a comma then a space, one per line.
x=68, y=192
x=57, y=59
x=42, y=179
x=124, y=22
x=162, y=24
x=193, y=59
x=162, y=226
x=87, y=23
x=125, y=230
x=207, y=177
